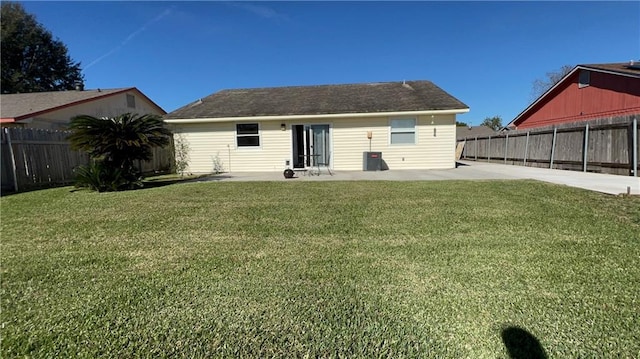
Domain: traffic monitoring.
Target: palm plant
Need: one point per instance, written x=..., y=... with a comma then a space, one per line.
x=98, y=177
x=117, y=142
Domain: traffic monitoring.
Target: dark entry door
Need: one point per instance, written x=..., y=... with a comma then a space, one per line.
x=310, y=145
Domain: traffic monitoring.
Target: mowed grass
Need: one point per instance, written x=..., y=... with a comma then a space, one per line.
x=320, y=269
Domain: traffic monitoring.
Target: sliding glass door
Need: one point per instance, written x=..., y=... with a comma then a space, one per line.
x=311, y=145
x=319, y=144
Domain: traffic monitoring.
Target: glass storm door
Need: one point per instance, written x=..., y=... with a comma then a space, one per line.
x=318, y=144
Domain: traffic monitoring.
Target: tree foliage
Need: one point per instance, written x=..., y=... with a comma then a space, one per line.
x=32, y=60
x=495, y=123
x=540, y=86
x=460, y=124
x=114, y=144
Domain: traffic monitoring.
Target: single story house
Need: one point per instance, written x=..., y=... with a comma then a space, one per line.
x=54, y=109
x=587, y=92
x=412, y=123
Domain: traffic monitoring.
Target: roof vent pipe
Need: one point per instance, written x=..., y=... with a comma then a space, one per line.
x=79, y=86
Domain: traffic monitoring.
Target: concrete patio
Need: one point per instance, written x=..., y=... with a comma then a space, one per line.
x=466, y=170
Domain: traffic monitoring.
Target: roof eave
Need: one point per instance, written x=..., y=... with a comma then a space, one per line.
x=320, y=116
x=539, y=99
x=608, y=71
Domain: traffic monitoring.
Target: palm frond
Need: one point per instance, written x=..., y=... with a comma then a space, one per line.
x=119, y=141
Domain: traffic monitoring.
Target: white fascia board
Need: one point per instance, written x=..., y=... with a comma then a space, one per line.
x=325, y=116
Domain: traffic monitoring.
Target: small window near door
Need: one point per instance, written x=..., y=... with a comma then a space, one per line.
x=585, y=78
x=247, y=135
x=403, y=131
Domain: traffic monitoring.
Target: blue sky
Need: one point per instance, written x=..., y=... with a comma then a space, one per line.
x=487, y=54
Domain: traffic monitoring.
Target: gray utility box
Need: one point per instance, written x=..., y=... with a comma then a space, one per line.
x=372, y=161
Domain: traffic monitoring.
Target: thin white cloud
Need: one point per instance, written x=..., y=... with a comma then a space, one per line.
x=131, y=36
x=259, y=10
x=102, y=57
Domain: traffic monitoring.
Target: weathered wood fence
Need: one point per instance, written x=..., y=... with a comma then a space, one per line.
x=608, y=145
x=35, y=158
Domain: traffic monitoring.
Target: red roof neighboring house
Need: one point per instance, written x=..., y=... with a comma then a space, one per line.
x=54, y=109
x=587, y=92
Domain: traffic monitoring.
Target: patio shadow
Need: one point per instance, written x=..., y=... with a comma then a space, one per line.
x=161, y=182
x=521, y=344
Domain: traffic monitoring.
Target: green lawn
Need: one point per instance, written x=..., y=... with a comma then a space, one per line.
x=321, y=269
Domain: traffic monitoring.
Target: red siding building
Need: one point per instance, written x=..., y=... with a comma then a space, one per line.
x=587, y=92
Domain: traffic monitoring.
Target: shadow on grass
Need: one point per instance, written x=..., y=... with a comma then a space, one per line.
x=212, y=178
x=150, y=182
x=161, y=181
x=10, y=192
x=521, y=344
x=166, y=181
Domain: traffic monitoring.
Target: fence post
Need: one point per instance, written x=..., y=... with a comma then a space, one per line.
x=553, y=147
x=13, y=160
x=489, y=150
x=526, y=149
x=585, y=155
x=464, y=147
x=476, y=151
x=506, y=147
x=635, y=146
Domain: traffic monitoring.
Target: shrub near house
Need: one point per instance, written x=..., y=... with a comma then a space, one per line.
x=114, y=144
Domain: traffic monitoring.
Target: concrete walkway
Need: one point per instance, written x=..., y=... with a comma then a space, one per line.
x=605, y=183
x=467, y=170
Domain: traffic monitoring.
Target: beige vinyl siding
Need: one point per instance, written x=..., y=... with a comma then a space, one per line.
x=218, y=140
x=439, y=150
x=348, y=142
x=429, y=152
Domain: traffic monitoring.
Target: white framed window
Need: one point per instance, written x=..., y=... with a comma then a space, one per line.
x=402, y=131
x=247, y=135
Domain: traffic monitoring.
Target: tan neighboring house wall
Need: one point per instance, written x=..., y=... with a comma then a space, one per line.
x=105, y=107
x=216, y=142
x=58, y=115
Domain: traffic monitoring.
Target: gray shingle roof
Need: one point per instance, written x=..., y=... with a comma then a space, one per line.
x=320, y=100
x=468, y=132
x=621, y=68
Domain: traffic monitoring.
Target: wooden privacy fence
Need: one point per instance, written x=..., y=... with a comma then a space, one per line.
x=608, y=145
x=35, y=158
